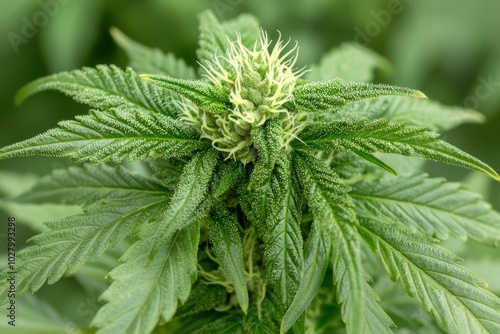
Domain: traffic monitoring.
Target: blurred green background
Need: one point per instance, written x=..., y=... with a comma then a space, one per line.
x=449, y=49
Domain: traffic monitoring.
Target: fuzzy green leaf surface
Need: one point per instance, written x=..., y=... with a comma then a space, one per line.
x=90, y=183
x=385, y=136
x=190, y=197
x=104, y=87
x=201, y=93
x=114, y=135
x=326, y=95
x=144, y=289
x=283, y=255
x=349, y=61
x=333, y=211
x=317, y=254
x=224, y=234
x=73, y=240
x=433, y=206
x=144, y=59
x=430, y=274
x=258, y=194
x=213, y=41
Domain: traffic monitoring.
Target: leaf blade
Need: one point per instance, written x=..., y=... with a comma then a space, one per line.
x=317, y=253
x=223, y=232
x=90, y=183
x=384, y=136
x=104, y=87
x=150, y=288
x=332, y=210
x=283, y=255
x=428, y=273
x=191, y=198
x=114, y=136
x=433, y=206
x=144, y=59
x=204, y=95
x=74, y=240
x=326, y=95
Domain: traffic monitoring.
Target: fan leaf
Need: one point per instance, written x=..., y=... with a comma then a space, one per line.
x=223, y=232
x=433, y=206
x=72, y=241
x=455, y=296
x=91, y=183
x=145, y=290
x=204, y=95
x=115, y=135
x=362, y=135
x=104, y=87
x=283, y=255
x=144, y=59
x=326, y=95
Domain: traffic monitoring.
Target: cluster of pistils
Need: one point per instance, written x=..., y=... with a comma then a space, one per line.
x=292, y=125
x=258, y=82
x=190, y=113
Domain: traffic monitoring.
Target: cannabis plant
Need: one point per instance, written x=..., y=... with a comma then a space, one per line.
x=265, y=198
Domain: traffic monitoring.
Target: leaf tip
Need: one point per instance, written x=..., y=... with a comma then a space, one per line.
x=114, y=31
x=420, y=95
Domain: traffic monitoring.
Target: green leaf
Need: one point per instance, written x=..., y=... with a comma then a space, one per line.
x=71, y=241
x=432, y=206
x=331, y=208
x=213, y=41
x=190, y=198
x=333, y=212
x=167, y=171
x=317, y=253
x=144, y=59
x=57, y=39
x=429, y=273
x=90, y=183
x=223, y=232
x=349, y=61
x=114, y=136
x=145, y=289
x=256, y=194
x=325, y=95
x=234, y=323
x=386, y=137
x=266, y=140
x=228, y=176
x=203, y=297
x=229, y=324
x=283, y=256
x=376, y=161
x=246, y=26
x=104, y=87
x=203, y=94
x=421, y=112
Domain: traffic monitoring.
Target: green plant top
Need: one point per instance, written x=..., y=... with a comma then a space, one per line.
x=262, y=194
